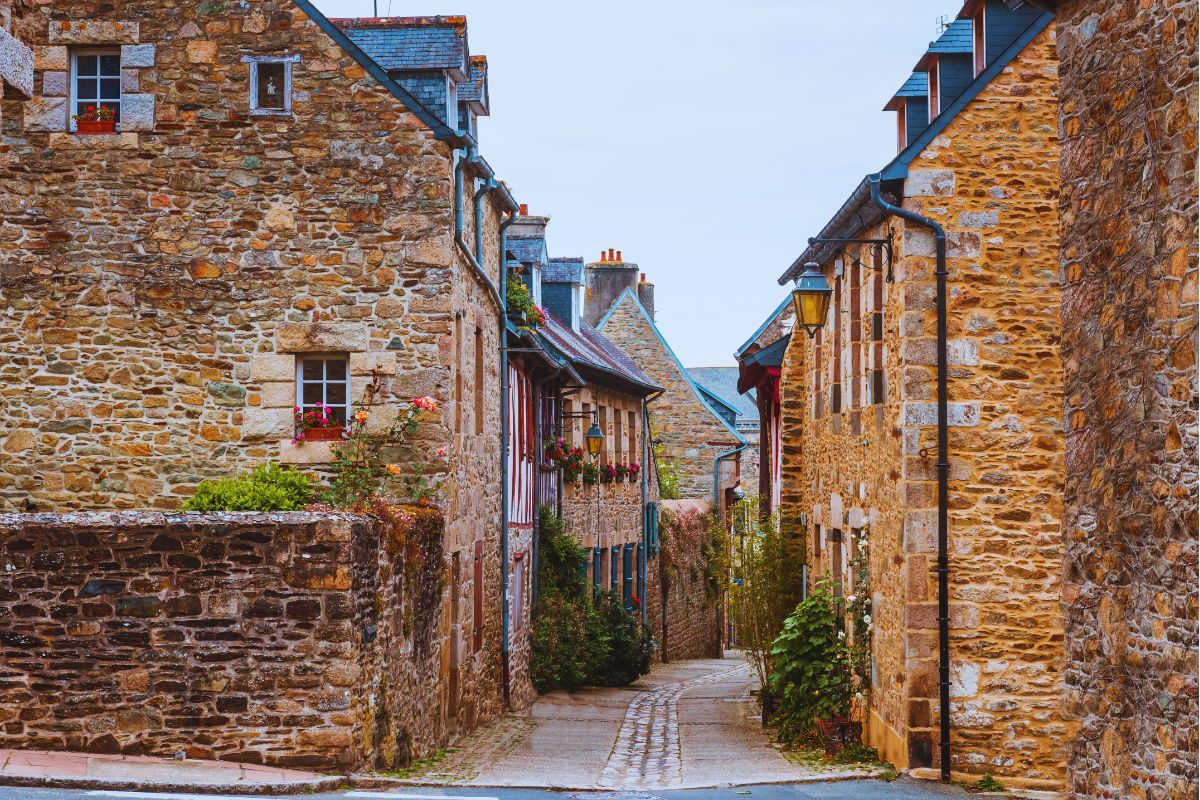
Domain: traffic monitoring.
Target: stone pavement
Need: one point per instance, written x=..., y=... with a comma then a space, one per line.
x=46, y=768
x=686, y=724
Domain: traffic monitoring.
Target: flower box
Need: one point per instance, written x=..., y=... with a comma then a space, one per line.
x=333, y=434
x=95, y=126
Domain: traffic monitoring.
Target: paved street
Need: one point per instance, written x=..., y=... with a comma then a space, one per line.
x=674, y=729
x=902, y=789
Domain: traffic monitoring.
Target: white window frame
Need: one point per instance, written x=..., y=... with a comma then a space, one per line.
x=74, y=101
x=287, y=61
x=324, y=381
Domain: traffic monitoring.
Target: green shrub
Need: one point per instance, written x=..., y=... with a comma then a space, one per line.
x=567, y=642
x=989, y=784
x=267, y=488
x=812, y=673
x=579, y=640
x=628, y=643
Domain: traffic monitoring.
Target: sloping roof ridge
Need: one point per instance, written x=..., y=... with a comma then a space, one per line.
x=897, y=168
x=433, y=21
x=440, y=129
x=763, y=327
x=671, y=352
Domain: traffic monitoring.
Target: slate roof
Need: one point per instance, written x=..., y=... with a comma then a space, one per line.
x=722, y=382
x=591, y=349
x=411, y=43
x=528, y=251
x=957, y=38
x=563, y=270
x=474, y=88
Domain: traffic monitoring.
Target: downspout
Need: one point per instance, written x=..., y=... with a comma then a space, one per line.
x=504, y=444
x=943, y=469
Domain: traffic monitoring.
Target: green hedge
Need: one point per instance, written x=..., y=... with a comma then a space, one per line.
x=268, y=488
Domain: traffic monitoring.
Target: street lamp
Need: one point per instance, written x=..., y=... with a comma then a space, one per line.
x=594, y=439
x=811, y=298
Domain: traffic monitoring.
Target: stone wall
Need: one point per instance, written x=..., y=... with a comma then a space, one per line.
x=870, y=468
x=682, y=608
x=1129, y=266
x=308, y=640
x=690, y=431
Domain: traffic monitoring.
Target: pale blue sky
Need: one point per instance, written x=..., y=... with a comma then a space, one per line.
x=706, y=140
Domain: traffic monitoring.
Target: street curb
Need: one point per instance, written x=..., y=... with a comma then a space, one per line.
x=374, y=782
x=133, y=785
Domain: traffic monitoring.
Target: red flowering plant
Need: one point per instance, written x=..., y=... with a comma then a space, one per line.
x=94, y=114
x=364, y=467
x=520, y=301
x=635, y=469
x=609, y=473
x=590, y=473
x=563, y=456
x=319, y=416
x=622, y=472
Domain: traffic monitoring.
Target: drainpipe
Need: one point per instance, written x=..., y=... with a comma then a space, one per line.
x=470, y=153
x=717, y=473
x=943, y=469
x=505, y=489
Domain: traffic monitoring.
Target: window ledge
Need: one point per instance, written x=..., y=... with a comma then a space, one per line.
x=96, y=141
x=269, y=112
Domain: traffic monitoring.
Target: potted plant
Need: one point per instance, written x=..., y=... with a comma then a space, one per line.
x=634, y=470
x=563, y=457
x=608, y=473
x=316, y=425
x=520, y=305
x=591, y=473
x=622, y=472
x=96, y=120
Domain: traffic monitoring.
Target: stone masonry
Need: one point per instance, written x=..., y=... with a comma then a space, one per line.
x=868, y=467
x=691, y=433
x=157, y=285
x=306, y=640
x=1129, y=270
x=681, y=607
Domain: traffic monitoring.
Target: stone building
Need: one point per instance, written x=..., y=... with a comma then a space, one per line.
x=1128, y=86
x=276, y=219
x=706, y=447
x=977, y=134
x=760, y=365
x=718, y=387
x=587, y=379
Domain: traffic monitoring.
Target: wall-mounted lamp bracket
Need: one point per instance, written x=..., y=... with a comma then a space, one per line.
x=885, y=244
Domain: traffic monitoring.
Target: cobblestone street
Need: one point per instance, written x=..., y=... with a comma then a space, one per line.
x=676, y=728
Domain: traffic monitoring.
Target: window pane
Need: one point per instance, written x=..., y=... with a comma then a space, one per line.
x=86, y=65
x=335, y=394
x=270, y=85
x=338, y=415
x=110, y=88
x=335, y=369
x=110, y=65
x=312, y=369
x=86, y=89
x=313, y=394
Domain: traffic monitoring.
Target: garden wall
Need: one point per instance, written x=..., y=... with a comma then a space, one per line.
x=296, y=639
x=691, y=625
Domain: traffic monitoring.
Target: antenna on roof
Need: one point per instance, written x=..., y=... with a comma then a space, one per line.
x=943, y=22
x=375, y=5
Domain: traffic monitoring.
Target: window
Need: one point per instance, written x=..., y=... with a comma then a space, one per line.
x=324, y=380
x=877, y=383
x=635, y=451
x=518, y=592
x=619, y=436
x=835, y=383
x=96, y=81
x=271, y=86
x=477, y=597
x=819, y=374
x=935, y=103
x=458, y=372
x=478, y=381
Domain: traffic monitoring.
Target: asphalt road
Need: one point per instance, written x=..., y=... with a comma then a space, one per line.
x=901, y=789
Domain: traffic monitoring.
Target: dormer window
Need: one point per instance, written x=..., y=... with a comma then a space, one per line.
x=96, y=81
x=978, y=32
x=271, y=84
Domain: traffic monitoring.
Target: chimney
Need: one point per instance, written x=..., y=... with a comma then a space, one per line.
x=524, y=212
x=645, y=292
x=605, y=280
x=611, y=258
x=619, y=259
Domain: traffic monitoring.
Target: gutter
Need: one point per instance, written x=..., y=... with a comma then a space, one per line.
x=644, y=566
x=943, y=469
